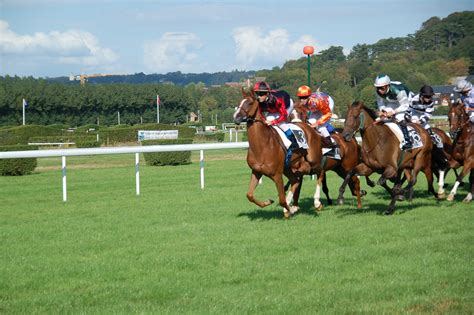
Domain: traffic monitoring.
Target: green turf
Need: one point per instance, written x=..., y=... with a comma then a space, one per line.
x=179, y=249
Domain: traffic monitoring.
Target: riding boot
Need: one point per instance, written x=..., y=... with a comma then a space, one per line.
x=436, y=140
x=327, y=142
x=294, y=144
x=408, y=144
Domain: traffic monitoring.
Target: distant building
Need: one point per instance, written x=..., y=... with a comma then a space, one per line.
x=193, y=117
x=234, y=84
x=444, y=95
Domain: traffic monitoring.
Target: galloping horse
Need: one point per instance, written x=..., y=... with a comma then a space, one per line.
x=438, y=168
x=381, y=152
x=350, y=158
x=266, y=155
x=462, y=132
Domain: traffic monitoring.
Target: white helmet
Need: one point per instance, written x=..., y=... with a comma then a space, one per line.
x=382, y=80
x=463, y=86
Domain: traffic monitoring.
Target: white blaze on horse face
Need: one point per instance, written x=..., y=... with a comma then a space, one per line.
x=237, y=112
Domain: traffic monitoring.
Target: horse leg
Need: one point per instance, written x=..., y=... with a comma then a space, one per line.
x=396, y=191
x=471, y=183
x=317, y=194
x=326, y=191
x=342, y=189
x=463, y=173
x=441, y=192
x=296, y=196
x=369, y=182
x=278, y=180
x=354, y=185
x=254, y=178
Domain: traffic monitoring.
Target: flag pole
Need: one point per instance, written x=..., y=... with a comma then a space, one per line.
x=157, y=109
x=23, y=105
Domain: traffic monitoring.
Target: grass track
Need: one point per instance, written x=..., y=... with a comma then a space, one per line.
x=179, y=249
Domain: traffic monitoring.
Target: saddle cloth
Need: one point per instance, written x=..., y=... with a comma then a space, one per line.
x=299, y=135
x=414, y=136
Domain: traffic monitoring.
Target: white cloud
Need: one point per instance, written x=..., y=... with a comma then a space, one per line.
x=172, y=52
x=69, y=47
x=255, y=49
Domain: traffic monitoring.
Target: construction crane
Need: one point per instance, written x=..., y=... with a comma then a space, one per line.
x=84, y=77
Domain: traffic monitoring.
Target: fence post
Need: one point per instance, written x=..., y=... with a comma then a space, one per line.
x=64, y=178
x=137, y=172
x=202, y=168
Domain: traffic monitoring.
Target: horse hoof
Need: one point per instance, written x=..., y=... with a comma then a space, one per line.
x=441, y=196
x=340, y=201
x=400, y=197
x=363, y=193
x=388, y=212
x=468, y=198
x=450, y=197
x=286, y=214
x=294, y=209
x=319, y=208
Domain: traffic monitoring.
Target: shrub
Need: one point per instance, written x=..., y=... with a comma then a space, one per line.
x=209, y=137
x=167, y=158
x=17, y=167
x=87, y=144
x=21, y=134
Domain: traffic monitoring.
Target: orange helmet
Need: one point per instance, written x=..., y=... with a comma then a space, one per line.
x=303, y=91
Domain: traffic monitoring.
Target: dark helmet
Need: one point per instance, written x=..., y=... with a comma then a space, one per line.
x=261, y=87
x=426, y=90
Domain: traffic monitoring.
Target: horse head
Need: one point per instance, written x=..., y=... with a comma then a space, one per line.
x=247, y=109
x=457, y=119
x=352, y=121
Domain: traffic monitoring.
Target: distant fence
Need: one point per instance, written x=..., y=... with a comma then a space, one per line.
x=123, y=150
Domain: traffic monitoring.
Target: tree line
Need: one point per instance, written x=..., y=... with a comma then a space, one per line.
x=439, y=51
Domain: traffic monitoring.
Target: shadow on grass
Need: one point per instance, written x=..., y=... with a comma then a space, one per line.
x=275, y=211
x=421, y=199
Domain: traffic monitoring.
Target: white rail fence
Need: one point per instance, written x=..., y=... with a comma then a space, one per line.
x=123, y=150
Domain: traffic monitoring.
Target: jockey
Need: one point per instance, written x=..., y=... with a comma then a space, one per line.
x=318, y=108
x=420, y=111
x=276, y=107
x=393, y=99
x=467, y=97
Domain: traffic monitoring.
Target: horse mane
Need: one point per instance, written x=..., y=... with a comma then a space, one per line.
x=370, y=111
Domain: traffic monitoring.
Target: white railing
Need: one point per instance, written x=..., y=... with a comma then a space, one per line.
x=123, y=150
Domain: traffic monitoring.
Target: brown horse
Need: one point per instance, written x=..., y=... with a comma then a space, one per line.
x=381, y=152
x=462, y=132
x=350, y=158
x=439, y=168
x=266, y=155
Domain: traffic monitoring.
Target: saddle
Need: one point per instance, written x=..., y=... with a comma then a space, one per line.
x=299, y=136
x=414, y=136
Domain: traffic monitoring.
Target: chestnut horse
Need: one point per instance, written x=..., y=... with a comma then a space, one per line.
x=462, y=132
x=381, y=152
x=266, y=156
x=350, y=158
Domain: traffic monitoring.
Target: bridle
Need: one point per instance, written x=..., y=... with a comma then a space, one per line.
x=246, y=111
x=462, y=123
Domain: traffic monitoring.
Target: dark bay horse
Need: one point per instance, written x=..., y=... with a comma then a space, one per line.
x=381, y=152
x=439, y=169
x=350, y=158
x=266, y=155
x=462, y=132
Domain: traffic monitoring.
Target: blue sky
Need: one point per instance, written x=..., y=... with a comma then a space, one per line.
x=49, y=38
